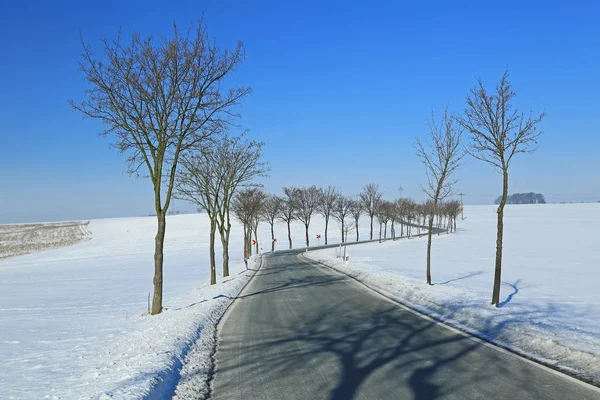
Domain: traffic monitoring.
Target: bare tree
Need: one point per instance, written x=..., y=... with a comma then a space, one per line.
x=382, y=216
x=210, y=179
x=246, y=207
x=498, y=132
x=160, y=99
x=239, y=161
x=306, y=201
x=391, y=211
x=453, y=208
x=441, y=155
x=199, y=181
x=270, y=212
x=342, y=209
x=356, y=210
x=288, y=209
x=370, y=198
x=329, y=197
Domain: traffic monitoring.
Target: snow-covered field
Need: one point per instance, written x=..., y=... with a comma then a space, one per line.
x=22, y=239
x=551, y=268
x=71, y=323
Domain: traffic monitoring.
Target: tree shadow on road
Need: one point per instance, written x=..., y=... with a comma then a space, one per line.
x=381, y=348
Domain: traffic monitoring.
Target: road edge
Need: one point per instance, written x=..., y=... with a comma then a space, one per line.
x=216, y=338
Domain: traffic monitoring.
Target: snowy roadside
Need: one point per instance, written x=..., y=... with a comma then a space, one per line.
x=538, y=320
x=147, y=362
x=186, y=362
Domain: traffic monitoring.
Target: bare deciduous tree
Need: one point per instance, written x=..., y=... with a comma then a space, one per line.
x=239, y=161
x=356, y=210
x=370, y=198
x=271, y=211
x=246, y=207
x=306, y=202
x=288, y=210
x=441, y=156
x=498, y=132
x=342, y=209
x=211, y=177
x=329, y=197
x=159, y=99
x=382, y=216
x=199, y=181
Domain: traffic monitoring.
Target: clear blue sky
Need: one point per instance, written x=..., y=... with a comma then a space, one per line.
x=341, y=90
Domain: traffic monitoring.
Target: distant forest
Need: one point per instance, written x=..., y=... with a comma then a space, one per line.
x=523, y=198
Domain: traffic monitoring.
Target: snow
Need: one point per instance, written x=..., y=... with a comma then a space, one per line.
x=550, y=274
x=72, y=322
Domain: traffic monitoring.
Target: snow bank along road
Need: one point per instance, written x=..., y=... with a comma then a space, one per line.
x=300, y=330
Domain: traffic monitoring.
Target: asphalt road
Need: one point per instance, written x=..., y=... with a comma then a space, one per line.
x=302, y=331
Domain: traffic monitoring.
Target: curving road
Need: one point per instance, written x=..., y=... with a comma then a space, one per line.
x=303, y=331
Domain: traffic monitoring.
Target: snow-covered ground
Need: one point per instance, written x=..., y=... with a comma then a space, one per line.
x=71, y=323
x=22, y=239
x=551, y=268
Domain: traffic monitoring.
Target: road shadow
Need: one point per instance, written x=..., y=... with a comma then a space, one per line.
x=384, y=345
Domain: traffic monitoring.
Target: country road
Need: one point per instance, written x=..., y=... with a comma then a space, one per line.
x=300, y=330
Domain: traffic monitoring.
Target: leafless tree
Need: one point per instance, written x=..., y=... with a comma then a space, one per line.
x=370, y=197
x=410, y=213
x=441, y=155
x=356, y=210
x=329, y=197
x=454, y=208
x=383, y=218
x=271, y=212
x=391, y=211
x=498, y=132
x=239, y=161
x=306, y=201
x=195, y=182
x=215, y=174
x=159, y=99
x=342, y=209
x=288, y=209
x=246, y=207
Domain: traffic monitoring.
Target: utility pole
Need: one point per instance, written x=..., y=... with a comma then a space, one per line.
x=462, y=207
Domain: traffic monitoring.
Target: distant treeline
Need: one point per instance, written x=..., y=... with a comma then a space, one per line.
x=523, y=198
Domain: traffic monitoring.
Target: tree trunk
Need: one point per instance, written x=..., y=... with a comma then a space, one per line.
x=429, y=249
x=357, y=237
x=343, y=232
x=249, y=243
x=307, y=242
x=454, y=224
x=213, y=266
x=289, y=234
x=326, y=225
x=225, y=244
x=371, y=236
x=272, y=236
x=498, y=270
x=256, y=237
x=245, y=243
x=159, y=242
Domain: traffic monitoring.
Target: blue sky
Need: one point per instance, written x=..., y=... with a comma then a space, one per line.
x=341, y=90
